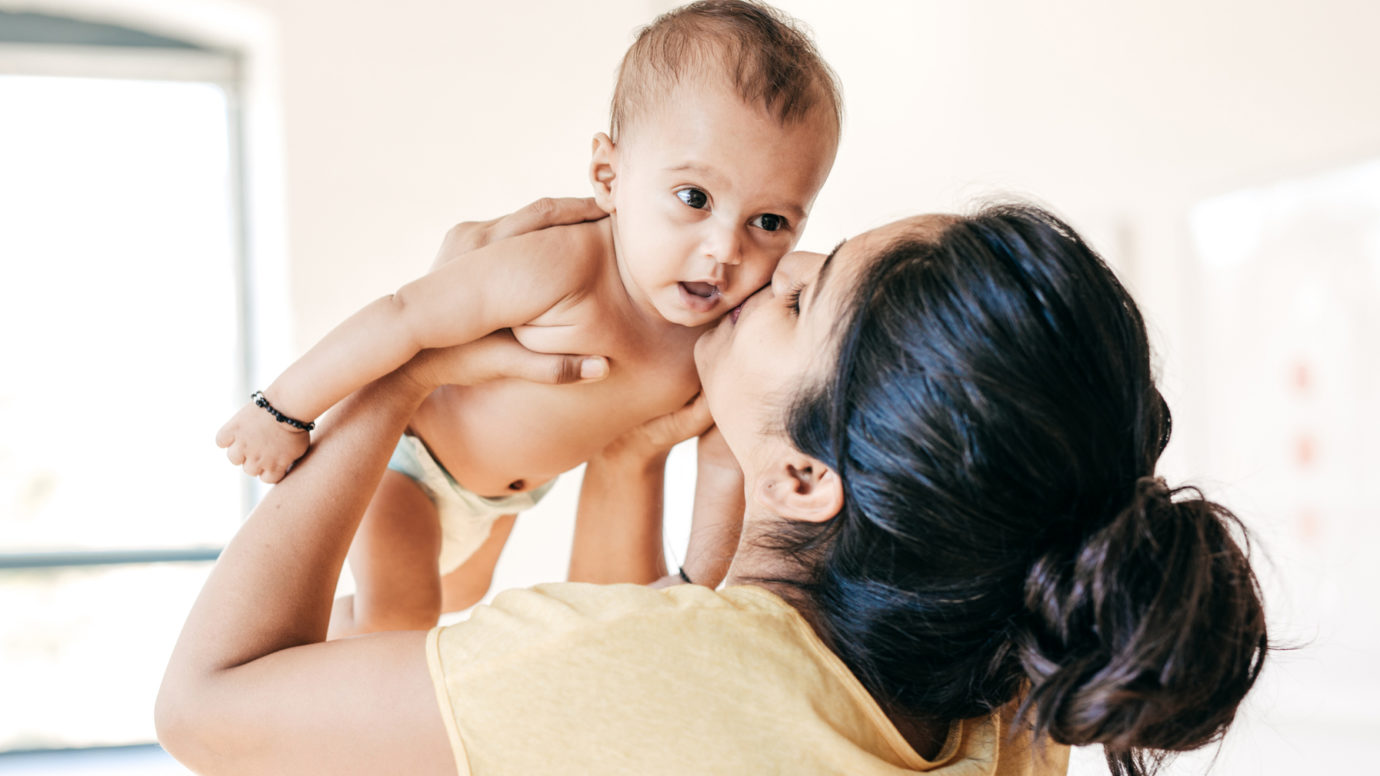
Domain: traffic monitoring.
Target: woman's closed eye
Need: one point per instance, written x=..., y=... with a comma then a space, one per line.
x=693, y=197
x=793, y=298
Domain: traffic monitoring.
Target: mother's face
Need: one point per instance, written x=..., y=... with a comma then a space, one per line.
x=784, y=338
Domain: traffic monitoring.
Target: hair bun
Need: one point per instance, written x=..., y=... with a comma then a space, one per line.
x=1150, y=493
x=1149, y=633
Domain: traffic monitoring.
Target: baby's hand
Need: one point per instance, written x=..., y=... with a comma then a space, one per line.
x=262, y=445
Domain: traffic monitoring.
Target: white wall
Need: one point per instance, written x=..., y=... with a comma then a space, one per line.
x=400, y=119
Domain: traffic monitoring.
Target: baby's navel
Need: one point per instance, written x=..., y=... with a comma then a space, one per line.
x=517, y=485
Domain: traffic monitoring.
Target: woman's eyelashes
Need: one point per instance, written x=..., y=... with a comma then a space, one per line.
x=793, y=298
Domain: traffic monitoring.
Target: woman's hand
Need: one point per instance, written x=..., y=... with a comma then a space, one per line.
x=654, y=439
x=497, y=356
x=545, y=212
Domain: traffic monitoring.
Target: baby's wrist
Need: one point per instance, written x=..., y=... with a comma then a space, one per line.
x=287, y=422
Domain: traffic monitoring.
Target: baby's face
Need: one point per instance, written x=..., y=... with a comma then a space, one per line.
x=708, y=194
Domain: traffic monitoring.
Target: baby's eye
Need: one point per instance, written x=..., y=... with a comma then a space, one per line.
x=769, y=222
x=694, y=198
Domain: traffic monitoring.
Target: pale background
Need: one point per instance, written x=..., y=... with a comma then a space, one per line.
x=373, y=127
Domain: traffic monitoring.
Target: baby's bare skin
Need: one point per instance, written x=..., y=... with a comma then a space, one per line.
x=503, y=437
x=509, y=436
x=705, y=194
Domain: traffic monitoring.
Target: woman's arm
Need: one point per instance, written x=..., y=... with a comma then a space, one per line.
x=618, y=520
x=250, y=687
x=618, y=524
x=716, y=521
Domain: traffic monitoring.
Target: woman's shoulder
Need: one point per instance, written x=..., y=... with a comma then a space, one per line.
x=569, y=611
x=702, y=641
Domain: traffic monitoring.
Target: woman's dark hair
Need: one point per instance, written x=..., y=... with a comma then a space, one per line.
x=996, y=426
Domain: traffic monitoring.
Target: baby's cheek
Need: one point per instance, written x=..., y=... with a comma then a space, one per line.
x=758, y=269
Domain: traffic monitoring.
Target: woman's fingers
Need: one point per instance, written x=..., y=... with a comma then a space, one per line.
x=673, y=428
x=545, y=212
x=500, y=355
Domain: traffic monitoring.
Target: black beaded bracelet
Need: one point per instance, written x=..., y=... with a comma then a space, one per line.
x=685, y=577
x=262, y=401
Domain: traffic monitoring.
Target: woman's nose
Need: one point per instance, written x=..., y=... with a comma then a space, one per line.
x=792, y=267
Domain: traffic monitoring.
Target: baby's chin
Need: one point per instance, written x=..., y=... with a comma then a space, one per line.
x=692, y=320
x=676, y=311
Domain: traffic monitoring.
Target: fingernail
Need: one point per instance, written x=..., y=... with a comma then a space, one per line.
x=591, y=368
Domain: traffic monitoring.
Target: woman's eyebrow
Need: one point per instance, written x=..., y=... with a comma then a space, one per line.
x=824, y=271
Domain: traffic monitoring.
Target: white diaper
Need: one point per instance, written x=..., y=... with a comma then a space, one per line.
x=466, y=517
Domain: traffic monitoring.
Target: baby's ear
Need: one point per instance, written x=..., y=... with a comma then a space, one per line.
x=603, y=169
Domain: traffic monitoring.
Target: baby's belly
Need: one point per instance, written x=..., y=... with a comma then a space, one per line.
x=510, y=436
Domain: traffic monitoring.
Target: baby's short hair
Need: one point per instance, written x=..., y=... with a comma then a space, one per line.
x=763, y=54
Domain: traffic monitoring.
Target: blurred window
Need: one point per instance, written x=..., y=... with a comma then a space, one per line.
x=122, y=274
x=1289, y=331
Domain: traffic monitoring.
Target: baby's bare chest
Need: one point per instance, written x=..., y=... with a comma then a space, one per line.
x=651, y=372
x=496, y=433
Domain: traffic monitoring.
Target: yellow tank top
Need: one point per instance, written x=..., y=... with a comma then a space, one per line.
x=622, y=679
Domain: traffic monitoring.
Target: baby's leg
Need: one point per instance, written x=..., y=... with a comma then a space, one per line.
x=463, y=587
x=394, y=563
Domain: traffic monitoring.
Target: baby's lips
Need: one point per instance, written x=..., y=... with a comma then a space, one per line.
x=702, y=289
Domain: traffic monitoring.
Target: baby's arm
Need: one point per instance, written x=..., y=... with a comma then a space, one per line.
x=501, y=285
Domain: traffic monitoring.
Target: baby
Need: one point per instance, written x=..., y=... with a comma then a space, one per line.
x=725, y=123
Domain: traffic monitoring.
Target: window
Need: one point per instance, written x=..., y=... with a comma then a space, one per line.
x=123, y=278
x=1289, y=333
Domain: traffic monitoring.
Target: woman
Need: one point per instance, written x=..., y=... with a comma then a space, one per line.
x=955, y=552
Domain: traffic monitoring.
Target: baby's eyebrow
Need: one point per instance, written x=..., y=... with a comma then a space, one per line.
x=694, y=167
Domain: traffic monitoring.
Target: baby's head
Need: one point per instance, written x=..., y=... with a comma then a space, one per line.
x=725, y=123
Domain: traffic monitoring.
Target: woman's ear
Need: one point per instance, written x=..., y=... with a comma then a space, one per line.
x=800, y=488
x=603, y=168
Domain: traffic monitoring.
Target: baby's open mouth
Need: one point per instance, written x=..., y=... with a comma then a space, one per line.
x=702, y=290
x=698, y=296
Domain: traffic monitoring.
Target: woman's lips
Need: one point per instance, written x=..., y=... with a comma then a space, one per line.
x=735, y=312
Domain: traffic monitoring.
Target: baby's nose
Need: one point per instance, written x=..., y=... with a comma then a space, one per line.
x=722, y=246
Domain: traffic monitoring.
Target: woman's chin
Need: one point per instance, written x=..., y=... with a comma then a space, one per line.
x=704, y=352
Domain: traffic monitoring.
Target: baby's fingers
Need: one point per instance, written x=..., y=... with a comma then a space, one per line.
x=225, y=437
x=235, y=454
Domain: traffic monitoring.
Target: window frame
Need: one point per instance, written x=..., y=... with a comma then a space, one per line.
x=225, y=70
